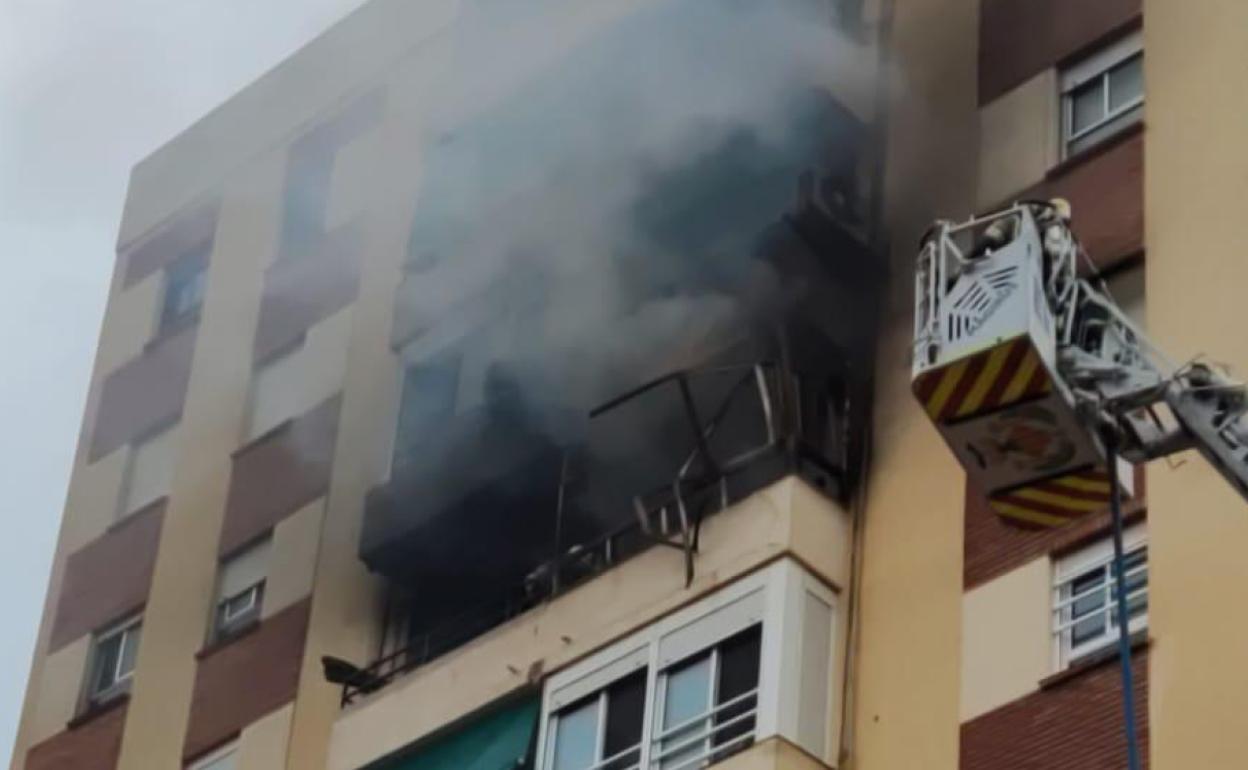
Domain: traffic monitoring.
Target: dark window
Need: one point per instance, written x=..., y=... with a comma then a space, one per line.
x=626, y=706
x=237, y=612
x=738, y=675
x=428, y=400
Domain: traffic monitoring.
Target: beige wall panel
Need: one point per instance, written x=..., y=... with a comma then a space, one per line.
x=771, y=754
x=1018, y=139
x=292, y=562
x=1195, y=188
x=821, y=531
x=180, y=603
x=1007, y=638
x=58, y=690
x=131, y=322
x=620, y=601
x=906, y=676
x=262, y=745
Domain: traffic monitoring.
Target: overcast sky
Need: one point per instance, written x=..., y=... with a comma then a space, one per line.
x=87, y=88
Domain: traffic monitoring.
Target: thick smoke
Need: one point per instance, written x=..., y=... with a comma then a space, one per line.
x=590, y=204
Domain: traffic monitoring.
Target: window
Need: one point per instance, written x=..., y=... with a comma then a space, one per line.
x=113, y=656
x=224, y=758
x=272, y=393
x=428, y=399
x=1103, y=94
x=1085, y=596
x=185, y=281
x=149, y=471
x=240, y=590
x=695, y=687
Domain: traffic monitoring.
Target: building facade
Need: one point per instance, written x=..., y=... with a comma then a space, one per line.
x=384, y=467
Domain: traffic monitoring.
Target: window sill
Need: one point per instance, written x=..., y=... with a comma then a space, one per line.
x=1093, y=660
x=96, y=710
x=220, y=644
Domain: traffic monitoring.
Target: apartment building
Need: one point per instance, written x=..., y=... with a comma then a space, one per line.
x=383, y=466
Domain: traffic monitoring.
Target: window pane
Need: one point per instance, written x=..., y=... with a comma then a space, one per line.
x=223, y=762
x=626, y=706
x=106, y=655
x=1126, y=82
x=576, y=737
x=688, y=696
x=429, y=390
x=1087, y=105
x=129, y=650
x=738, y=675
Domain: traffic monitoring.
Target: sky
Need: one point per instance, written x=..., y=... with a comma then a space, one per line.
x=87, y=89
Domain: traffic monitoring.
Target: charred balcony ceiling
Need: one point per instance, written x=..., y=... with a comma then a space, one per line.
x=615, y=322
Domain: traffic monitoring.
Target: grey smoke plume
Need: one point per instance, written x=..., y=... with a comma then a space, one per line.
x=592, y=199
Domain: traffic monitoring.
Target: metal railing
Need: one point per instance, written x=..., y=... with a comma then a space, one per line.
x=710, y=725
x=1065, y=619
x=669, y=515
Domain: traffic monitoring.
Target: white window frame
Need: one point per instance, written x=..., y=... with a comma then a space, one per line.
x=1097, y=66
x=206, y=762
x=252, y=592
x=774, y=597
x=120, y=681
x=1099, y=555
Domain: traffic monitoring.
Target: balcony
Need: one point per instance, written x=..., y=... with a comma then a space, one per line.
x=495, y=515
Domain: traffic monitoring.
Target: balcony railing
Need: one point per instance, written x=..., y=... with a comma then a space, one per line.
x=743, y=430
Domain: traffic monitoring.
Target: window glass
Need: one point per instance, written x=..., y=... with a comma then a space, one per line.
x=687, y=696
x=739, y=659
x=576, y=737
x=1087, y=106
x=107, y=654
x=185, y=282
x=1126, y=83
x=626, y=708
x=113, y=661
x=429, y=391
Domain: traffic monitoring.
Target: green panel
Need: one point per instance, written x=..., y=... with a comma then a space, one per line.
x=497, y=741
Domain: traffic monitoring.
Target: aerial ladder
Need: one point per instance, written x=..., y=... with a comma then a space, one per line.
x=1045, y=390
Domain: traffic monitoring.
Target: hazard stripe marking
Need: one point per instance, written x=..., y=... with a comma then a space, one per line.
x=987, y=378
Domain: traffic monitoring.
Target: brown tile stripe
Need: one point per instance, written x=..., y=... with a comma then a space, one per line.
x=1105, y=188
x=278, y=474
x=108, y=578
x=301, y=290
x=93, y=745
x=145, y=393
x=992, y=546
x=1021, y=38
x=188, y=231
x=240, y=682
x=1074, y=725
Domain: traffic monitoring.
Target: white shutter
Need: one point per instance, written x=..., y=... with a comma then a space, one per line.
x=244, y=569
x=151, y=470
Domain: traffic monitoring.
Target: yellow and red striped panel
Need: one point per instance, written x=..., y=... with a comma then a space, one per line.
x=1055, y=502
x=997, y=377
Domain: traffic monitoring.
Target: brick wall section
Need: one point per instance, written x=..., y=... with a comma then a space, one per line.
x=1021, y=38
x=109, y=578
x=1105, y=187
x=992, y=547
x=190, y=231
x=1075, y=724
x=278, y=474
x=243, y=680
x=144, y=394
x=93, y=745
